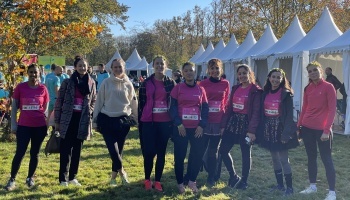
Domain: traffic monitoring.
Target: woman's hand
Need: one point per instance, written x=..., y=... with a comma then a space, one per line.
x=182, y=130
x=198, y=132
x=324, y=137
x=251, y=136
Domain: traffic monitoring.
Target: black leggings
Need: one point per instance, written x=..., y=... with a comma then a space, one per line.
x=225, y=148
x=24, y=134
x=155, y=136
x=114, y=135
x=212, y=144
x=312, y=139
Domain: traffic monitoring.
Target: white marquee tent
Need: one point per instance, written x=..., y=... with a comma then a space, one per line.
x=231, y=46
x=198, y=53
x=218, y=48
x=168, y=72
x=207, y=51
x=115, y=56
x=142, y=66
x=133, y=60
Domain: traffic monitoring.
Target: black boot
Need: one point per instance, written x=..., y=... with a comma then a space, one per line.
x=279, y=179
x=289, y=183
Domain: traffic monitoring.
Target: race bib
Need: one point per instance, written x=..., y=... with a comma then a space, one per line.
x=271, y=108
x=190, y=114
x=78, y=104
x=214, y=106
x=160, y=107
x=238, y=103
x=30, y=104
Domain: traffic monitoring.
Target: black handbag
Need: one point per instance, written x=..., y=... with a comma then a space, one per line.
x=52, y=145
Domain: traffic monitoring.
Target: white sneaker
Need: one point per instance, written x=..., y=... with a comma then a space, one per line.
x=64, y=184
x=74, y=182
x=309, y=190
x=331, y=196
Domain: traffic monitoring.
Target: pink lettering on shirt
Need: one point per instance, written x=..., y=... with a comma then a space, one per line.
x=240, y=100
x=30, y=103
x=272, y=104
x=190, y=113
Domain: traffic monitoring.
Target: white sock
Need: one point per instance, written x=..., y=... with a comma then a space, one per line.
x=313, y=186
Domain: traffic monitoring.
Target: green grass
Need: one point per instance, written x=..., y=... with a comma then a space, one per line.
x=95, y=170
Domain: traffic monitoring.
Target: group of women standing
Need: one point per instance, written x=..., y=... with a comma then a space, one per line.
x=206, y=115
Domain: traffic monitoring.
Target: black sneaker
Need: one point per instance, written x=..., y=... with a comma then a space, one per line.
x=11, y=185
x=30, y=182
x=234, y=181
x=242, y=185
x=289, y=191
x=277, y=188
x=210, y=182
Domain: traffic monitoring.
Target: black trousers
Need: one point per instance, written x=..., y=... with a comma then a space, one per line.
x=225, y=148
x=24, y=135
x=311, y=138
x=195, y=157
x=114, y=135
x=155, y=137
x=212, y=144
x=70, y=150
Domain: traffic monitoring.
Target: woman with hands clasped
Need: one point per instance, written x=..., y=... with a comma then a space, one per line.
x=242, y=119
x=189, y=111
x=278, y=130
x=315, y=122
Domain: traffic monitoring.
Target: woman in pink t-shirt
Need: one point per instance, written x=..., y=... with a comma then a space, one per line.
x=155, y=121
x=315, y=122
x=241, y=120
x=189, y=112
x=277, y=132
x=31, y=98
x=217, y=91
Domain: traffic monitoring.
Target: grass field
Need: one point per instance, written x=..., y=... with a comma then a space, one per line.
x=95, y=169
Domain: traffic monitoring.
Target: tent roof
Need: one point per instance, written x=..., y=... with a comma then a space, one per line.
x=321, y=34
x=198, y=53
x=293, y=35
x=207, y=51
x=342, y=43
x=217, y=50
x=248, y=43
x=266, y=41
x=133, y=60
x=115, y=56
x=229, y=49
x=142, y=65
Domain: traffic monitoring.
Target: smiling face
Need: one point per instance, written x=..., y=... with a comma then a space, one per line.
x=243, y=75
x=214, y=71
x=117, y=68
x=33, y=74
x=275, y=79
x=81, y=67
x=159, y=66
x=188, y=73
x=314, y=72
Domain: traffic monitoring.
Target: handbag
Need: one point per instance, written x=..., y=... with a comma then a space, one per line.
x=52, y=145
x=127, y=121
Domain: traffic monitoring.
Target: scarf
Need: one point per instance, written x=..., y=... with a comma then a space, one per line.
x=82, y=83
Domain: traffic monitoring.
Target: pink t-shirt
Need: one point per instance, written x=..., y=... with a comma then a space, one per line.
x=272, y=104
x=32, y=103
x=189, y=100
x=240, y=100
x=78, y=101
x=217, y=94
x=160, y=104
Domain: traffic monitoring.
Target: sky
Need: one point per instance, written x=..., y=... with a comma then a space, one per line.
x=148, y=11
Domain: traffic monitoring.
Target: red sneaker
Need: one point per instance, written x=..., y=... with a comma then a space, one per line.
x=158, y=186
x=148, y=184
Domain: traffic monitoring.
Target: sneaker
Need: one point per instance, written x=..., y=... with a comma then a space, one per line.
x=210, y=183
x=11, y=185
x=113, y=182
x=125, y=179
x=234, y=181
x=186, y=179
x=242, y=185
x=148, y=184
x=157, y=186
x=64, y=184
x=309, y=190
x=74, y=182
x=193, y=186
x=30, y=182
x=277, y=188
x=181, y=188
x=289, y=191
x=331, y=196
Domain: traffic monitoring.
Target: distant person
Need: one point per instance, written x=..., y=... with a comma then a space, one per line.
x=31, y=98
x=332, y=79
x=344, y=104
x=64, y=73
x=102, y=74
x=177, y=76
x=69, y=72
x=42, y=74
x=73, y=110
x=92, y=73
x=52, y=82
x=315, y=122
